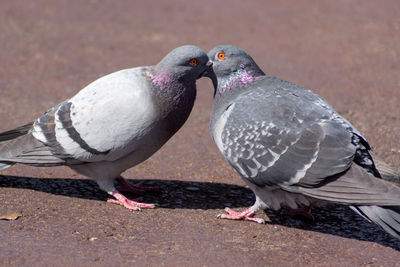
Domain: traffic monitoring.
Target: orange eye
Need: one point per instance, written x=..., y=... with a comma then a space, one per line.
x=221, y=55
x=193, y=62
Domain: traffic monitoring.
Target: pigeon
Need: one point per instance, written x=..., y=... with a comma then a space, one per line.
x=113, y=124
x=291, y=147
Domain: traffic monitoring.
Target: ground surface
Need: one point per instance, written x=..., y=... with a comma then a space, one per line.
x=347, y=51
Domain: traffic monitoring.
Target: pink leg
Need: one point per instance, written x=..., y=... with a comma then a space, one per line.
x=248, y=215
x=127, y=203
x=125, y=186
x=303, y=212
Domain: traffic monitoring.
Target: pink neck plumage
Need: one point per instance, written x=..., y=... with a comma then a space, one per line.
x=162, y=79
x=240, y=78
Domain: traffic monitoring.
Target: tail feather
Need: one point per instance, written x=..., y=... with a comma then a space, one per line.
x=11, y=135
x=27, y=149
x=20, y=146
x=386, y=217
x=355, y=186
x=14, y=133
x=376, y=200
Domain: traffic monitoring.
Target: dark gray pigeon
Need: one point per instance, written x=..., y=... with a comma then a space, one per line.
x=112, y=124
x=292, y=148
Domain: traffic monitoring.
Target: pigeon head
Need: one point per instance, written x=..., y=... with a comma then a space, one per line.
x=232, y=67
x=185, y=63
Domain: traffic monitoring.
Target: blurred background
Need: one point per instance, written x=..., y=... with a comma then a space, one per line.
x=348, y=51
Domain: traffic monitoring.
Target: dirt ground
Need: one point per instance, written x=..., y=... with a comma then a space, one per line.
x=347, y=51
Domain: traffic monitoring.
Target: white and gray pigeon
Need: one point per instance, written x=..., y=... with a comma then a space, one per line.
x=112, y=124
x=291, y=147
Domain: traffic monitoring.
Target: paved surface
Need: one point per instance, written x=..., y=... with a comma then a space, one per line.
x=347, y=51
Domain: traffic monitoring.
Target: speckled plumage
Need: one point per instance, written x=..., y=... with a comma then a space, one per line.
x=291, y=147
x=114, y=123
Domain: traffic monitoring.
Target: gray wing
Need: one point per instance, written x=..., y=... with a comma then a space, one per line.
x=46, y=141
x=108, y=119
x=105, y=121
x=281, y=134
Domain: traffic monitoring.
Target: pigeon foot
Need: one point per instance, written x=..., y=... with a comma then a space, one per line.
x=128, y=203
x=244, y=215
x=126, y=186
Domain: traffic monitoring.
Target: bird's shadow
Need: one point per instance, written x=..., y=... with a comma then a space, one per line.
x=173, y=194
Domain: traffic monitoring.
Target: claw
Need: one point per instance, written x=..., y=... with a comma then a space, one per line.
x=127, y=203
x=244, y=215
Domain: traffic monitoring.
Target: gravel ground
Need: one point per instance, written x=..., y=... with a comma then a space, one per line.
x=347, y=51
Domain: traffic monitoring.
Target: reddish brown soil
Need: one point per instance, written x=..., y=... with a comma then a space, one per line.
x=348, y=51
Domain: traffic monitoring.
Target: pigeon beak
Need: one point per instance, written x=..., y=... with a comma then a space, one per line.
x=209, y=72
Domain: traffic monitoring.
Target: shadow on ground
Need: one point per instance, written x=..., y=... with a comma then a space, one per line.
x=172, y=194
x=335, y=219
